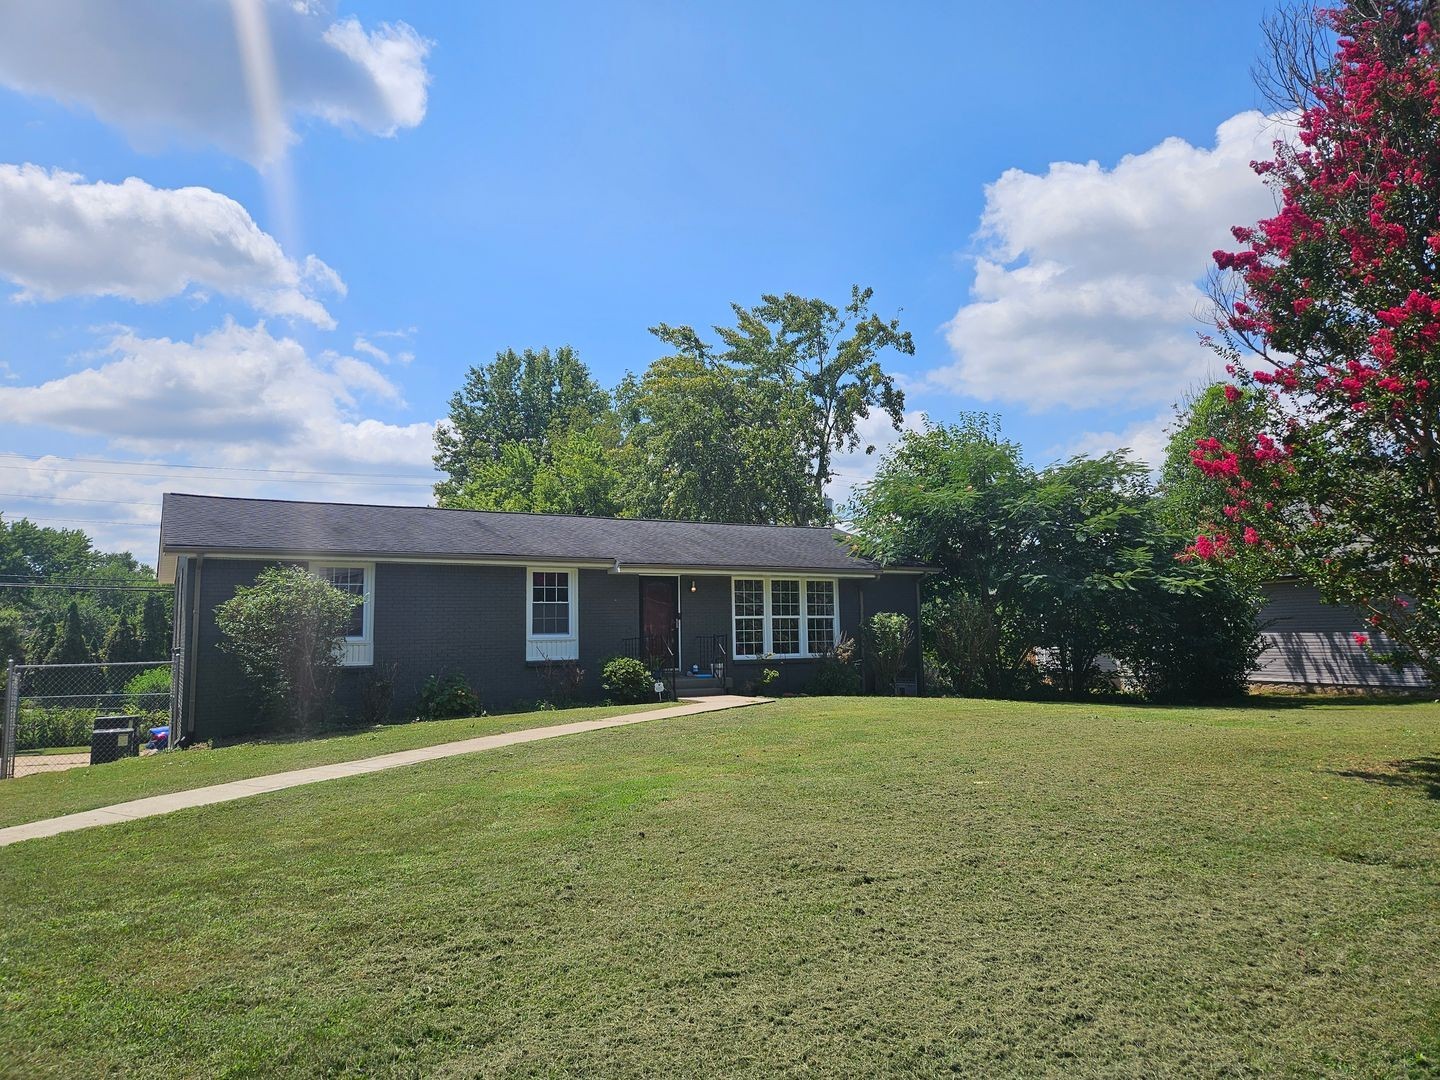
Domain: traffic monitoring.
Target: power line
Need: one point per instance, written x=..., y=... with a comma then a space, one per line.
x=84, y=588
x=396, y=478
x=70, y=498
x=92, y=521
x=239, y=479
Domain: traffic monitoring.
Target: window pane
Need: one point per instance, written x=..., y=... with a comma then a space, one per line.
x=749, y=597
x=820, y=597
x=785, y=598
x=349, y=579
x=749, y=636
x=550, y=602
x=785, y=635
x=822, y=635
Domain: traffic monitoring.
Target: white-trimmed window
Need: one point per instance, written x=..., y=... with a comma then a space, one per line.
x=552, y=625
x=785, y=616
x=357, y=579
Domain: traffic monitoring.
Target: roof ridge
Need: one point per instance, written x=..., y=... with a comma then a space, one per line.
x=509, y=513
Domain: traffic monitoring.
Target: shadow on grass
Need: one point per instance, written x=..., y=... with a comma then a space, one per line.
x=1422, y=774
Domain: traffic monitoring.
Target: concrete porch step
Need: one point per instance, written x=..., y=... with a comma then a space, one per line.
x=690, y=686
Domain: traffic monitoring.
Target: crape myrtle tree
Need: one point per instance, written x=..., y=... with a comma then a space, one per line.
x=1329, y=320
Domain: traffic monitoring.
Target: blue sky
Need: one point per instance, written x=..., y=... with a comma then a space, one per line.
x=471, y=177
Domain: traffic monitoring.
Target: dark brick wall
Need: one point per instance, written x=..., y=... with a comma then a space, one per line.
x=703, y=614
x=435, y=619
x=430, y=619
x=225, y=703
x=899, y=593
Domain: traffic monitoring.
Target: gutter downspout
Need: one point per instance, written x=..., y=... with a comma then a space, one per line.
x=194, y=649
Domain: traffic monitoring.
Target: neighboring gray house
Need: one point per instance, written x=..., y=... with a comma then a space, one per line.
x=1311, y=643
x=496, y=597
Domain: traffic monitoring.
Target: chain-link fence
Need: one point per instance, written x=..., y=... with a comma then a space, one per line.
x=58, y=716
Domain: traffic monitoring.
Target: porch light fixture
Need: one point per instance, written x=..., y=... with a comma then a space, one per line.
x=692, y=584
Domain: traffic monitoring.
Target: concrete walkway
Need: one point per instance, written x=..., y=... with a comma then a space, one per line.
x=241, y=789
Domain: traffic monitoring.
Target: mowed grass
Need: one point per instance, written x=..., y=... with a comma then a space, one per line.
x=44, y=795
x=812, y=887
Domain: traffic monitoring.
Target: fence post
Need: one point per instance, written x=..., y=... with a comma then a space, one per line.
x=7, y=734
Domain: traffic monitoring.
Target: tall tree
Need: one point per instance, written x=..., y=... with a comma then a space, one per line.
x=530, y=399
x=947, y=496
x=70, y=646
x=579, y=475
x=824, y=359
x=1329, y=315
x=702, y=442
x=1060, y=566
x=155, y=630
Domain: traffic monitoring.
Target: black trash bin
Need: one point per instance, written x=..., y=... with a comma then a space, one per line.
x=113, y=738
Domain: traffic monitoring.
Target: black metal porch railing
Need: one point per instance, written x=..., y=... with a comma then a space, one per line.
x=709, y=652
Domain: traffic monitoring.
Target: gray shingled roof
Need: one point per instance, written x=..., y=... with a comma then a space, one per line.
x=209, y=523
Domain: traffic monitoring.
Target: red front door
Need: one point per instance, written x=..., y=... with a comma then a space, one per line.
x=659, y=621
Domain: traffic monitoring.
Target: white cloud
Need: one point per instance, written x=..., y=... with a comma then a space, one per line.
x=65, y=237
x=1086, y=293
x=857, y=467
x=234, y=396
x=243, y=409
x=1147, y=439
x=157, y=68
x=368, y=348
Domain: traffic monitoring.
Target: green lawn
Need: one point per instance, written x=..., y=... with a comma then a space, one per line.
x=43, y=795
x=821, y=887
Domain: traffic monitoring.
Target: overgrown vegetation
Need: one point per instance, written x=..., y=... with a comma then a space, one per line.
x=1048, y=572
x=50, y=626
x=888, y=638
x=740, y=430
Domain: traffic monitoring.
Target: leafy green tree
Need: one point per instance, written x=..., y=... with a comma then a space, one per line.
x=122, y=643
x=821, y=359
x=950, y=496
x=155, y=628
x=70, y=646
x=286, y=631
x=1092, y=545
x=702, y=442
x=580, y=475
x=1049, y=571
x=530, y=399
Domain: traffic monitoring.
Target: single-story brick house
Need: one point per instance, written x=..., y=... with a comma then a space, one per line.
x=498, y=597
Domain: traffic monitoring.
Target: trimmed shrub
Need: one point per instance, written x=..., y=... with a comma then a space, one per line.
x=447, y=698
x=286, y=631
x=627, y=680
